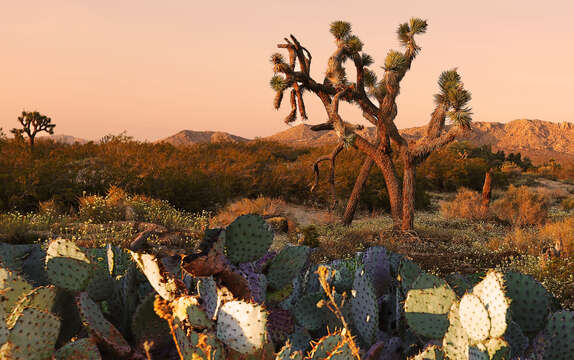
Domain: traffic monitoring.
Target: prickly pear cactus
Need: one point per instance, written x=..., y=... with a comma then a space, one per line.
x=83, y=349
x=241, y=326
x=325, y=346
x=101, y=328
x=455, y=342
x=187, y=308
x=280, y=324
x=146, y=325
x=530, y=302
x=516, y=339
x=364, y=307
x=497, y=349
x=247, y=239
x=288, y=353
x=68, y=267
x=33, y=337
x=378, y=268
x=474, y=317
x=307, y=314
x=162, y=282
x=12, y=287
x=286, y=265
x=207, y=289
x=427, y=306
x=408, y=273
x=432, y=352
x=558, y=336
x=41, y=298
x=490, y=291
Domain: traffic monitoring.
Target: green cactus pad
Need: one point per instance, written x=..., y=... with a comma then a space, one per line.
x=241, y=326
x=455, y=341
x=101, y=328
x=478, y=352
x=146, y=325
x=341, y=352
x=428, y=281
x=4, y=332
x=364, y=307
x=432, y=352
x=33, y=336
x=427, y=309
x=326, y=345
x=40, y=298
x=408, y=273
x=286, y=265
x=277, y=296
x=83, y=349
x=300, y=339
x=498, y=349
x=12, y=287
x=474, y=317
x=516, y=339
x=344, y=274
x=491, y=292
x=288, y=353
x=207, y=289
x=33, y=266
x=459, y=283
x=559, y=336
x=102, y=285
x=378, y=268
x=67, y=266
x=187, y=308
x=162, y=282
x=307, y=314
x=247, y=239
x=530, y=302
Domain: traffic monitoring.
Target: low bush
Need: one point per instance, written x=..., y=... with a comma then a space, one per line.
x=521, y=206
x=261, y=205
x=567, y=204
x=466, y=205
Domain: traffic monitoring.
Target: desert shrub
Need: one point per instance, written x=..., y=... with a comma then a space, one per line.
x=523, y=240
x=560, y=234
x=50, y=208
x=261, y=205
x=466, y=205
x=521, y=206
x=567, y=204
x=97, y=209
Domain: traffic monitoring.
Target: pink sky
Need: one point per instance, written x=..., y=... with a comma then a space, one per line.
x=156, y=67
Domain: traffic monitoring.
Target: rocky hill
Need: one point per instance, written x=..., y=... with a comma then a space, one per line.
x=537, y=139
x=189, y=137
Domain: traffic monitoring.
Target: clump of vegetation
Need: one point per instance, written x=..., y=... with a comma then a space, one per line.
x=568, y=203
x=521, y=206
x=261, y=205
x=466, y=205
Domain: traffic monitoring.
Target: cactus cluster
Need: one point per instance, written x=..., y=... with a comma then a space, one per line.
x=229, y=303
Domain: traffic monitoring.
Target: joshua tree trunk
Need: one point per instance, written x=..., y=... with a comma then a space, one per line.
x=409, y=171
x=355, y=196
x=486, y=190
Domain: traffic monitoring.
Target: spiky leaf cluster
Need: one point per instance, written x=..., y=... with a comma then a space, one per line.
x=369, y=78
x=353, y=44
x=340, y=29
x=455, y=97
x=278, y=83
x=395, y=61
x=367, y=59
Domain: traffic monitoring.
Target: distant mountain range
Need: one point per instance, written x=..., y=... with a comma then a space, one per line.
x=539, y=140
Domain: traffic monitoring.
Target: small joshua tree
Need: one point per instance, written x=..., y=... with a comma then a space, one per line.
x=377, y=100
x=33, y=123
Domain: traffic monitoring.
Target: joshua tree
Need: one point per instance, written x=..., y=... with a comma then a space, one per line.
x=32, y=124
x=377, y=100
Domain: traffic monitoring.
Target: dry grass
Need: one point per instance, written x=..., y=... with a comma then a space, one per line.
x=523, y=240
x=561, y=236
x=261, y=205
x=466, y=205
x=567, y=204
x=521, y=206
